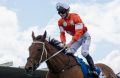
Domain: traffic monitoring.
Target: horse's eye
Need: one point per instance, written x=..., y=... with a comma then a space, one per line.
x=39, y=49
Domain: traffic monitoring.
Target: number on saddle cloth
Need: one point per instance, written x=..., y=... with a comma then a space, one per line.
x=86, y=69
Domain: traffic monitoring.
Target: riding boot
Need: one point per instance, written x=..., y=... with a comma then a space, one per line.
x=92, y=66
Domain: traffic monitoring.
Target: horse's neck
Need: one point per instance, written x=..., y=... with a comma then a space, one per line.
x=57, y=61
x=52, y=50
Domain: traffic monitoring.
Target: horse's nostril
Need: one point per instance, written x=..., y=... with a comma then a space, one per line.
x=29, y=68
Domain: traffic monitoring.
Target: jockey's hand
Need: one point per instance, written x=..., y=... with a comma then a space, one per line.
x=69, y=44
x=63, y=44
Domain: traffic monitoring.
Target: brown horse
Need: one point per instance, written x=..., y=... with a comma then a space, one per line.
x=60, y=65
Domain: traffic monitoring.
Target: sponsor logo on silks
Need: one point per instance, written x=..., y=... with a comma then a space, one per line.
x=72, y=23
x=64, y=24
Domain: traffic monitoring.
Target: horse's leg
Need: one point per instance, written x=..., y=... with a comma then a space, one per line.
x=107, y=71
x=74, y=72
x=50, y=75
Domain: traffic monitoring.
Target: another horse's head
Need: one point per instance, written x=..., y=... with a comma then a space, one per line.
x=35, y=52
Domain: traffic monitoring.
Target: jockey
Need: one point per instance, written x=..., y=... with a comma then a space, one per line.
x=73, y=25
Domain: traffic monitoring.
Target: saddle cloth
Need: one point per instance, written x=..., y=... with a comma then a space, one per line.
x=86, y=69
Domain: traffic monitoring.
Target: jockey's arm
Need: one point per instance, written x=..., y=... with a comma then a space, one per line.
x=78, y=28
x=78, y=31
x=62, y=35
x=78, y=34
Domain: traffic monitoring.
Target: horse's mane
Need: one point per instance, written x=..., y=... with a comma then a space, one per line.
x=55, y=43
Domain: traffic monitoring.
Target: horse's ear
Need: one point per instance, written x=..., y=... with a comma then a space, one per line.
x=33, y=36
x=44, y=36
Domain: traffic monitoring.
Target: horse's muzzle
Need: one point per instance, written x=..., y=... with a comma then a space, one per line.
x=29, y=71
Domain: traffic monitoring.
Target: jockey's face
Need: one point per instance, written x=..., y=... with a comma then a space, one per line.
x=63, y=15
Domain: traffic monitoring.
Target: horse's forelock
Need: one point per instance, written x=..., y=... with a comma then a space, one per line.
x=38, y=37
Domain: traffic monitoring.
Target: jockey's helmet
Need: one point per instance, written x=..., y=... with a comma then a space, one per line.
x=62, y=8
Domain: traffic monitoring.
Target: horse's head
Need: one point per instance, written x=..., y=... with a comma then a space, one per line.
x=35, y=53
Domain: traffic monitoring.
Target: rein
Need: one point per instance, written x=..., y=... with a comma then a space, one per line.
x=45, y=51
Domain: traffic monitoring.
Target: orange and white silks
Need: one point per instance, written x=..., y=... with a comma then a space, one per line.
x=73, y=25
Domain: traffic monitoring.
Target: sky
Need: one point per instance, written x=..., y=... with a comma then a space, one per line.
x=18, y=18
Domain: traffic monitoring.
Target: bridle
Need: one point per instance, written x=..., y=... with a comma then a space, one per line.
x=45, y=51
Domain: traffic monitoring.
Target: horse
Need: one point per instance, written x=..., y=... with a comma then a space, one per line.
x=60, y=65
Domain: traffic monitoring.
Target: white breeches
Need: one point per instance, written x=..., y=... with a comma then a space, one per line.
x=84, y=42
